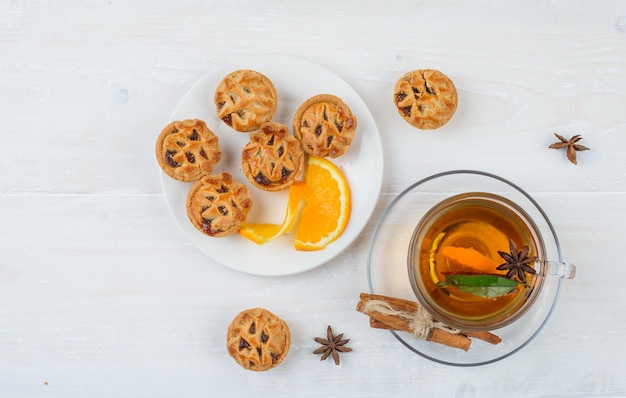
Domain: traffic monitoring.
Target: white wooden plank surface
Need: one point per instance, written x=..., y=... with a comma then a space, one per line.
x=102, y=295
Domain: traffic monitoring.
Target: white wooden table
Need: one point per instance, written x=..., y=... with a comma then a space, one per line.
x=101, y=295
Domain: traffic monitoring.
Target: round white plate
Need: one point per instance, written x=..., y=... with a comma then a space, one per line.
x=295, y=80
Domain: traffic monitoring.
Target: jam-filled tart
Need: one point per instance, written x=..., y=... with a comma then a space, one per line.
x=257, y=339
x=218, y=205
x=273, y=158
x=245, y=99
x=324, y=125
x=187, y=150
x=425, y=98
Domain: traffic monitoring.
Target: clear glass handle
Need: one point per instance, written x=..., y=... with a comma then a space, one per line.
x=558, y=269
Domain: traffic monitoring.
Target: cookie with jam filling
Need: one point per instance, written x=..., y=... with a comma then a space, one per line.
x=187, y=150
x=324, y=125
x=218, y=205
x=425, y=98
x=257, y=339
x=273, y=158
x=245, y=99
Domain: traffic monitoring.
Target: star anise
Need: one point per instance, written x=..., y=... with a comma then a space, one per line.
x=517, y=263
x=571, y=145
x=332, y=345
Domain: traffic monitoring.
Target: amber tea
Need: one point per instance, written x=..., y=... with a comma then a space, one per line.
x=455, y=256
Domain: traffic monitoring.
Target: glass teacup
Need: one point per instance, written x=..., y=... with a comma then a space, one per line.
x=477, y=261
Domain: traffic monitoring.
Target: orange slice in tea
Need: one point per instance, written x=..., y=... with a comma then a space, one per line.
x=263, y=233
x=470, y=258
x=327, y=205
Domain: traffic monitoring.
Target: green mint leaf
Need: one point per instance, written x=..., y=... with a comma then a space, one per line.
x=483, y=285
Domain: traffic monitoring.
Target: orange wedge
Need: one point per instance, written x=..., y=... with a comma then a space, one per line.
x=327, y=205
x=470, y=258
x=263, y=233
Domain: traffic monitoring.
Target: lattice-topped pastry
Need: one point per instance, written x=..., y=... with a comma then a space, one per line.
x=187, y=150
x=425, y=98
x=218, y=205
x=245, y=99
x=257, y=339
x=324, y=125
x=272, y=159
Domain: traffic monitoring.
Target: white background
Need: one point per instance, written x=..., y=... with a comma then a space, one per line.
x=101, y=294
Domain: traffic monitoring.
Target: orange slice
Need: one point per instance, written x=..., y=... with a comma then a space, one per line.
x=470, y=258
x=263, y=233
x=327, y=205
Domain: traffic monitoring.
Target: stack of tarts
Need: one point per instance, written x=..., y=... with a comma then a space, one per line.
x=272, y=159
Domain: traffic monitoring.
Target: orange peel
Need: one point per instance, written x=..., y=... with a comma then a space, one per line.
x=327, y=205
x=261, y=233
x=470, y=258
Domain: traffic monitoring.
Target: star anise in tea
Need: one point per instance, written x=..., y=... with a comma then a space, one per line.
x=332, y=345
x=517, y=263
x=571, y=145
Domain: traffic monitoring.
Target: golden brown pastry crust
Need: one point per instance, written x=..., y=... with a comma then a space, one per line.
x=187, y=150
x=425, y=98
x=257, y=339
x=218, y=205
x=245, y=99
x=272, y=159
x=324, y=125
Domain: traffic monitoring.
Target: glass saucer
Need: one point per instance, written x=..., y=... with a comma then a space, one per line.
x=387, y=262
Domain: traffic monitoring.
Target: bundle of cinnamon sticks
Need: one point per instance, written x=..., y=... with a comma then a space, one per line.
x=391, y=321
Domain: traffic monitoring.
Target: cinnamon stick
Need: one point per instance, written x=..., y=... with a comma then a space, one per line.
x=398, y=323
x=403, y=325
x=376, y=324
x=402, y=304
x=485, y=336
